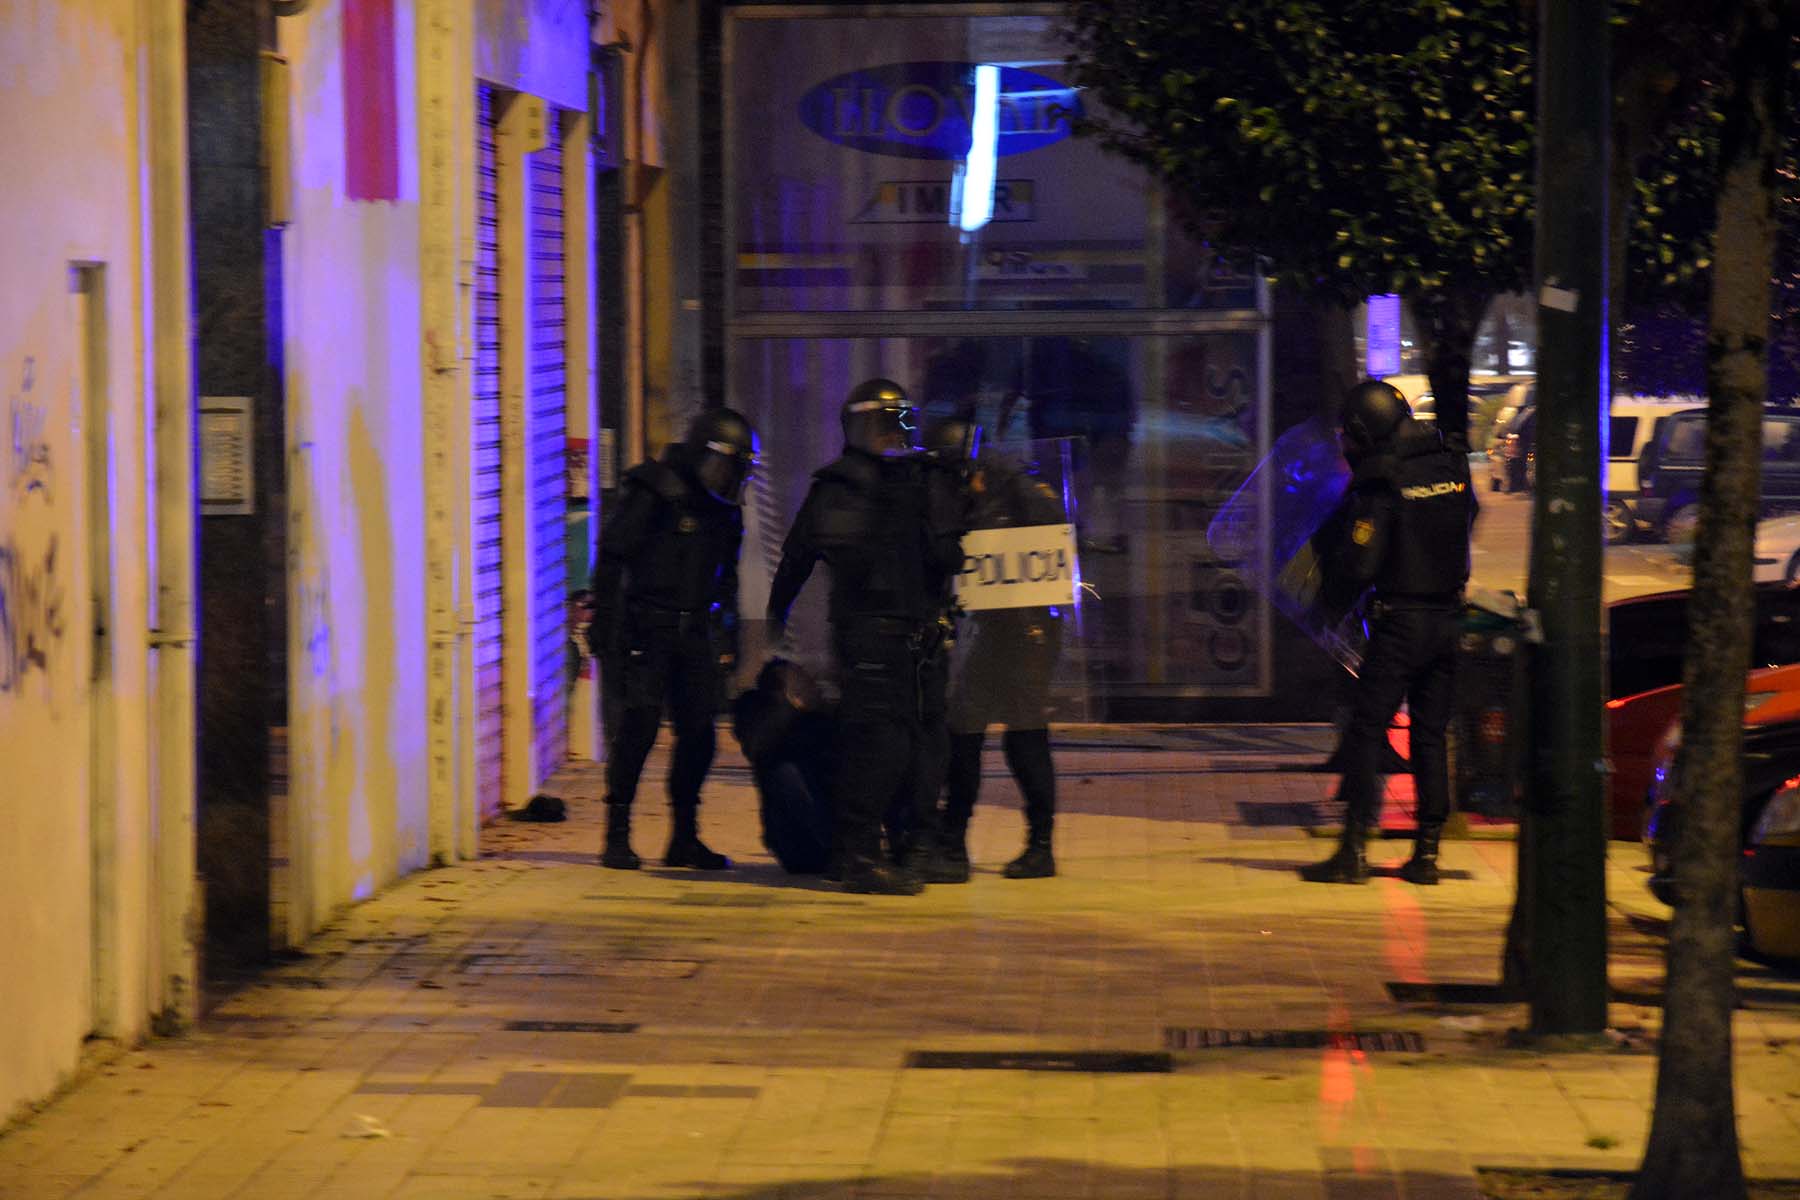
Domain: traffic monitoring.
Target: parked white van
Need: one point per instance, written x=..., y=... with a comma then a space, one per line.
x=1635, y=422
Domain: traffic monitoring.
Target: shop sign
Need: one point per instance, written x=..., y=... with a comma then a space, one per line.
x=927, y=202
x=925, y=110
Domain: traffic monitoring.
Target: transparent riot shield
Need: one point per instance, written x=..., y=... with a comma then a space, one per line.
x=1301, y=481
x=1020, y=657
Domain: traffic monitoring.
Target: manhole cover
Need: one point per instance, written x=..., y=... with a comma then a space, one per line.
x=1098, y=1061
x=1290, y=1039
x=561, y=965
x=570, y=1027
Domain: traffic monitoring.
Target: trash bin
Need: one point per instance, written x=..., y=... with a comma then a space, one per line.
x=1487, y=725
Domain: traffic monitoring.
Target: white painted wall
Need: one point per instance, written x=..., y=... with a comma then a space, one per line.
x=75, y=841
x=535, y=46
x=92, y=905
x=356, y=290
x=358, y=798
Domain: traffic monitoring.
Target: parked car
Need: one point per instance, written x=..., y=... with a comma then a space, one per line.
x=1777, y=555
x=1769, y=832
x=1425, y=408
x=1646, y=645
x=1672, y=465
x=1511, y=454
x=1635, y=423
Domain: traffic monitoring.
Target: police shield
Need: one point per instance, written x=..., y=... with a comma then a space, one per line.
x=1299, y=485
x=1020, y=657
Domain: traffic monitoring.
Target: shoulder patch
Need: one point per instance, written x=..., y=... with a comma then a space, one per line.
x=1363, y=532
x=1426, y=491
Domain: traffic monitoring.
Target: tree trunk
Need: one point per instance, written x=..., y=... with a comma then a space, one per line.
x=1693, y=1148
x=1562, y=831
x=1447, y=321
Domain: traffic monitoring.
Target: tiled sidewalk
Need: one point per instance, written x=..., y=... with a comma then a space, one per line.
x=530, y=1025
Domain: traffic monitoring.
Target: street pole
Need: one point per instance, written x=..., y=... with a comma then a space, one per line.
x=1562, y=839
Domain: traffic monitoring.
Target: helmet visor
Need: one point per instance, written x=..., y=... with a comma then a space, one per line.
x=880, y=427
x=726, y=469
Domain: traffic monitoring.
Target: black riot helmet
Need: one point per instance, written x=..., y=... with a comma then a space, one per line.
x=953, y=441
x=1369, y=415
x=722, y=447
x=879, y=419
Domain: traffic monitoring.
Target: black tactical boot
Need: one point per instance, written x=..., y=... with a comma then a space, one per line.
x=946, y=857
x=687, y=850
x=1422, y=867
x=1348, y=865
x=618, y=853
x=873, y=877
x=1035, y=863
x=947, y=862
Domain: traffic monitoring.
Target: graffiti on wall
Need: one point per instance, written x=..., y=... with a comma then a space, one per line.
x=308, y=563
x=28, y=422
x=33, y=592
x=31, y=613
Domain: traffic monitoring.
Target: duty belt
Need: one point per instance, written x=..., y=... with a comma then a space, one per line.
x=893, y=627
x=1444, y=601
x=683, y=620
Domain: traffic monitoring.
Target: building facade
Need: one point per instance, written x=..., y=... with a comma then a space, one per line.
x=299, y=352
x=901, y=192
x=326, y=326
x=96, y=535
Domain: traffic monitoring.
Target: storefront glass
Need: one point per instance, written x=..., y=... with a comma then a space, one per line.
x=904, y=199
x=1161, y=431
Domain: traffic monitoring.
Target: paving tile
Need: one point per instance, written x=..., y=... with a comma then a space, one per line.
x=775, y=1067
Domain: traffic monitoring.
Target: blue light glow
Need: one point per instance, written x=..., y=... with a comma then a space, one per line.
x=1384, y=336
x=1605, y=395
x=978, y=175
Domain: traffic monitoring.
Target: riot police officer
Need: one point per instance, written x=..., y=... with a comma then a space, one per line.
x=665, y=623
x=888, y=522
x=1403, y=528
x=1005, y=660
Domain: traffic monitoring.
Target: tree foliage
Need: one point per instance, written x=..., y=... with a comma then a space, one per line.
x=1349, y=147
x=1673, y=214
x=1360, y=147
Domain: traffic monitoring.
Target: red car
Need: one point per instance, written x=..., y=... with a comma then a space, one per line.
x=1647, y=636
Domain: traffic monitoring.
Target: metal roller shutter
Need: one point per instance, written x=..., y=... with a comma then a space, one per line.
x=490, y=644
x=547, y=470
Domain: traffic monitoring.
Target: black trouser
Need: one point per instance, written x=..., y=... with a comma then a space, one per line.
x=672, y=664
x=911, y=819
x=1005, y=679
x=1411, y=657
x=890, y=734
x=1027, y=757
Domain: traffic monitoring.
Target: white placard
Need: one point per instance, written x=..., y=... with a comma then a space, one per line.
x=1028, y=567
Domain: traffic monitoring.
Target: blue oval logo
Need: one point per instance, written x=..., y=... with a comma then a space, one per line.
x=926, y=110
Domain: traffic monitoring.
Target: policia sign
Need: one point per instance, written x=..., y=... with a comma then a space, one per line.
x=1033, y=566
